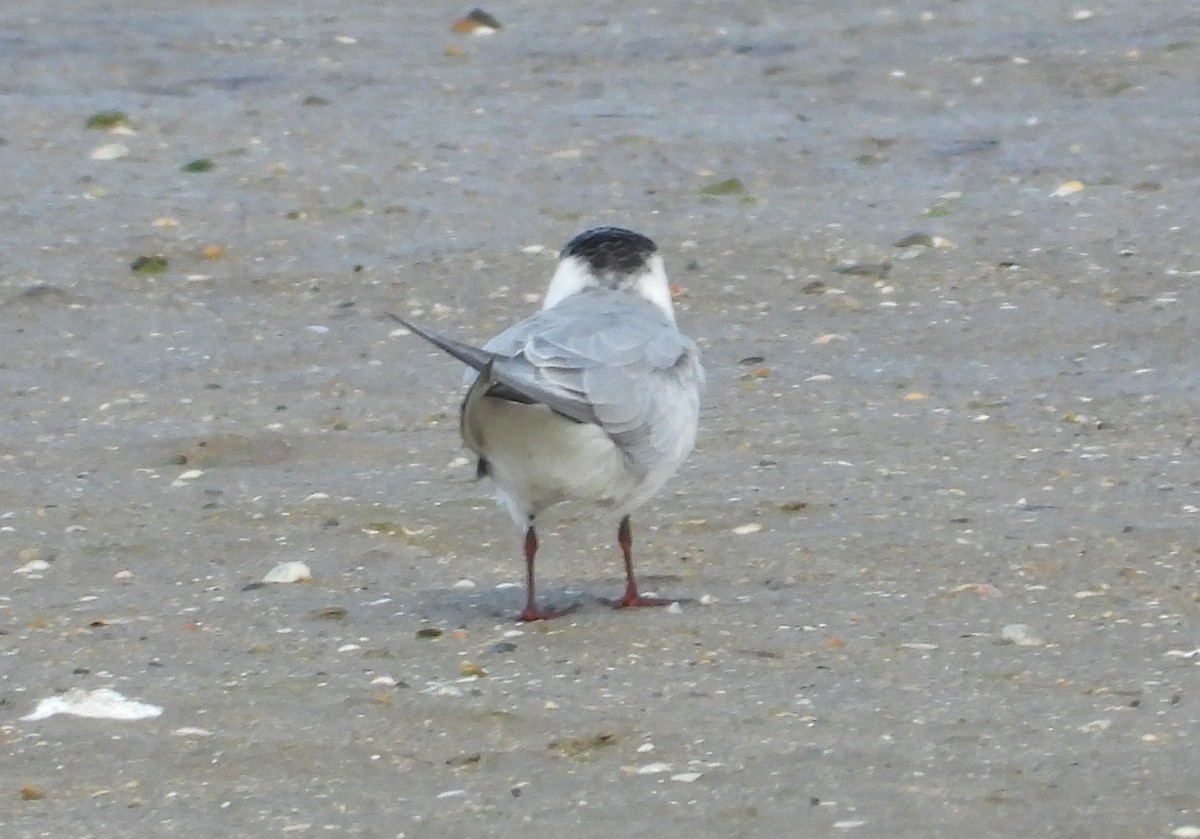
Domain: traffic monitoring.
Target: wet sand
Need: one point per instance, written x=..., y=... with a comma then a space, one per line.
x=938, y=541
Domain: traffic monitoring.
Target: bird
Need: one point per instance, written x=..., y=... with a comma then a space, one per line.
x=595, y=398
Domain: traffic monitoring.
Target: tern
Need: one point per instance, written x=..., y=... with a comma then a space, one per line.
x=593, y=399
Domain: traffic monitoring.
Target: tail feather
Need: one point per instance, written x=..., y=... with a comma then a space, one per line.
x=506, y=379
x=473, y=357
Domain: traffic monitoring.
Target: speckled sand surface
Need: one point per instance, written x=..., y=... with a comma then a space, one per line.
x=940, y=533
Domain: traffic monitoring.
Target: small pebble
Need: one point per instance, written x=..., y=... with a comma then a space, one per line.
x=1021, y=635
x=645, y=747
x=189, y=475
x=982, y=589
x=109, y=151
x=747, y=529
x=1068, y=188
x=686, y=777
x=449, y=691
x=192, y=731
x=1187, y=831
x=288, y=572
x=653, y=769
x=34, y=566
x=464, y=583
x=923, y=240
x=1182, y=653
x=477, y=22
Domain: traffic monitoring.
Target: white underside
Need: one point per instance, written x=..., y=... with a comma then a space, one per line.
x=539, y=459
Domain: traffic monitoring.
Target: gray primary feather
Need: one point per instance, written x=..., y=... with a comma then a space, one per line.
x=602, y=357
x=475, y=358
x=511, y=378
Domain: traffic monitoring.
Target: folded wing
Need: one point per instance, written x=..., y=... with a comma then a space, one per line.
x=601, y=357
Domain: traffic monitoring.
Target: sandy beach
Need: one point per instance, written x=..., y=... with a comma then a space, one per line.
x=937, y=547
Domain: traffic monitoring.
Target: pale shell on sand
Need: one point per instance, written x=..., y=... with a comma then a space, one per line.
x=288, y=572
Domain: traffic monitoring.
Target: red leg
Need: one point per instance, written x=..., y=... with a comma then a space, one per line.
x=632, y=599
x=532, y=612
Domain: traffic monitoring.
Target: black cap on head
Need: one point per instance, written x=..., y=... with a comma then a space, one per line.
x=611, y=249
